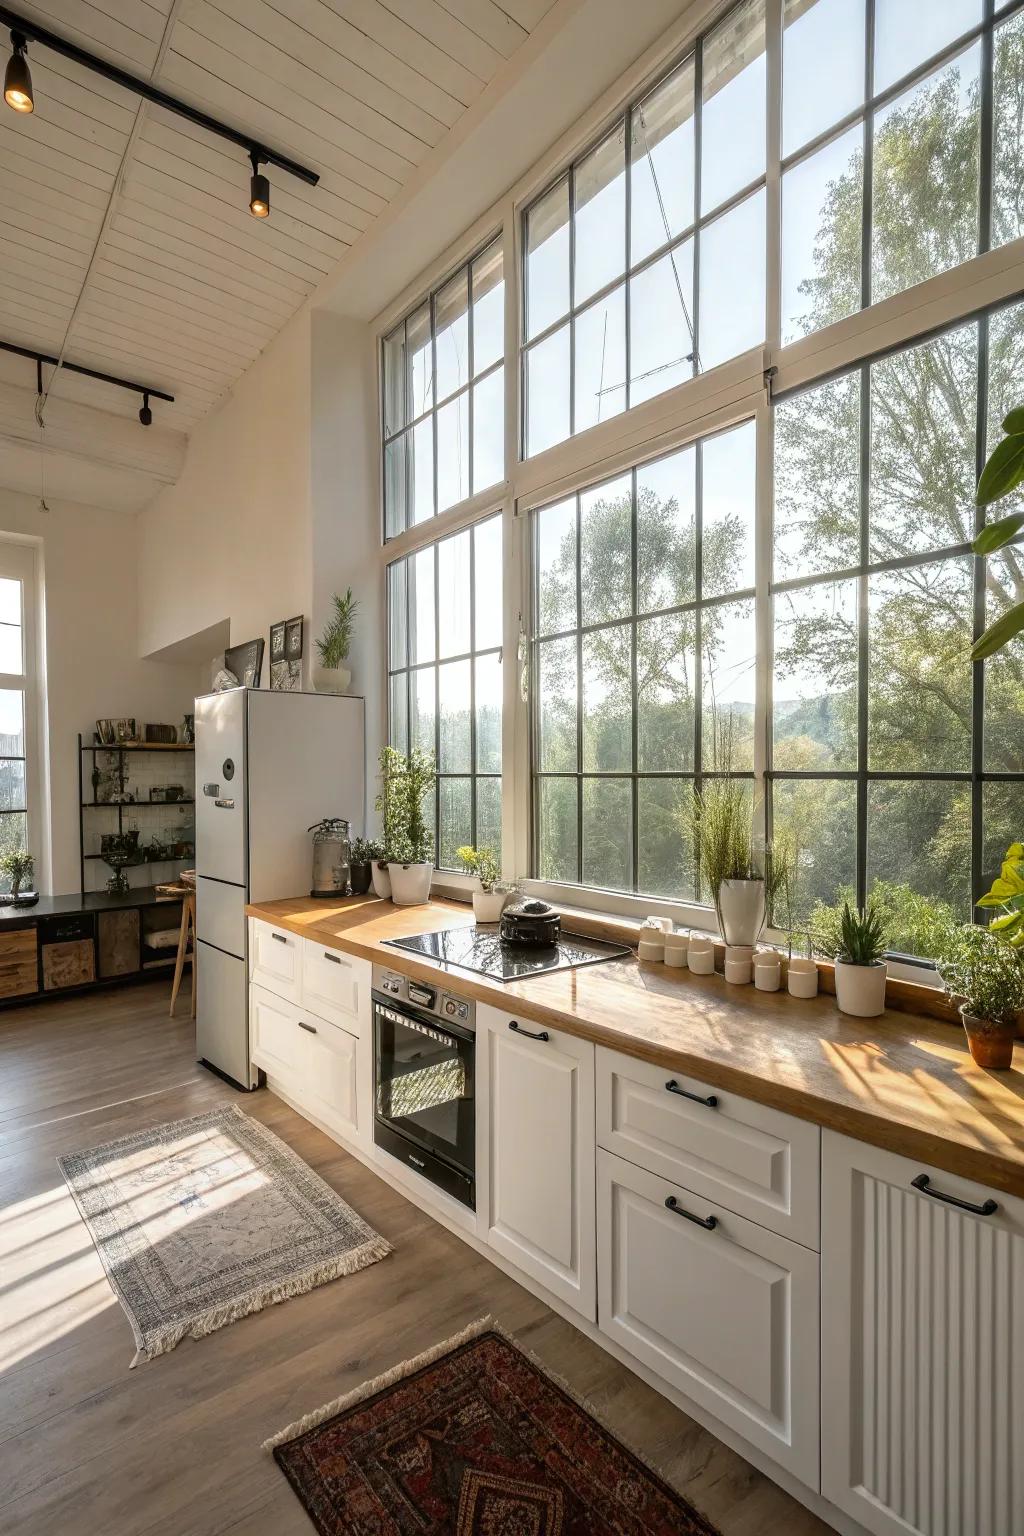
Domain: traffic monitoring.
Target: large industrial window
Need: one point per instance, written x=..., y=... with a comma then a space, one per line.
x=19, y=820
x=445, y=679
x=643, y=663
x=444, y=396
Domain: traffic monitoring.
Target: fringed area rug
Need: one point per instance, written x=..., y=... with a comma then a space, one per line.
x=203, y=1221
x=473, y=1438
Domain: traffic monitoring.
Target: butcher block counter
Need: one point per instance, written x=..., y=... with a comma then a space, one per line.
x=904, y=1082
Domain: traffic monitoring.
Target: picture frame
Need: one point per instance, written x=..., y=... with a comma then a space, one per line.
x=277, y=633
x=106, y=733
x=245, y=661
x=293, y=639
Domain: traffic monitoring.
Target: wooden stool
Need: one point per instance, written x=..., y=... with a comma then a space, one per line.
x=188, y=930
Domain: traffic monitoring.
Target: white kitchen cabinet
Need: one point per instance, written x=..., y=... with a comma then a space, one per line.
x=335, y=985
x=275, y=956
x=319, y=1066
x=723, y=1310
x=331, y=1074
x=535, y=1153
x=276, y=1046
x=922, y=1347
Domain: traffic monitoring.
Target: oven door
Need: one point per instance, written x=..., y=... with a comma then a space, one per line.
x=424, y=1084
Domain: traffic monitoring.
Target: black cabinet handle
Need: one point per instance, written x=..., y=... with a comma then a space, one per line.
x=673, y=1087
x=279, y=938
x=709, y=1223
x=519, y=1030
x=334, y=959
x=309, y=1028
x=923, y=1183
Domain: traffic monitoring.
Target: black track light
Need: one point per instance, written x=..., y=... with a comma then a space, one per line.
x=18, y=77
x=145, y=414
x=259, y=190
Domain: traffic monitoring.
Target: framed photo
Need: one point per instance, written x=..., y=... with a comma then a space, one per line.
x=246, y=662
x=277, y=642
x=127, y=731
x=293, y=639
x=106, y=733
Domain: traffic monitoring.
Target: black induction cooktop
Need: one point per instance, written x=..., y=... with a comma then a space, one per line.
x=483, y=952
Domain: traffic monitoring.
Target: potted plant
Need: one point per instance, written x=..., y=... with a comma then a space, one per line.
x=18, y=865
x=408, y=842
x=858, y=950
x=490, y=898
x=724, y=835
x=364, y=856
x=332, y=676
x=984, y=974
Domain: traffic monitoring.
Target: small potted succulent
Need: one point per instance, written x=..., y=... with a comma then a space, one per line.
x=332, y=676
x=491, y=897
x=364, y=855
x=859, y=954
x=984, y=974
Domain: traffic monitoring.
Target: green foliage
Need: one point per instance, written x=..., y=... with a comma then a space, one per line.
x=481, y=862
x=333, y=646
x=861, y=936
x=366, y=852
x=1006, y=896
x=913, y=924
x=18, y=865
x=984, y=974
x=405, y=784
x=1004, y=470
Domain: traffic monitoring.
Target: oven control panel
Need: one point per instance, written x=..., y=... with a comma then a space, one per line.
x=423, y=995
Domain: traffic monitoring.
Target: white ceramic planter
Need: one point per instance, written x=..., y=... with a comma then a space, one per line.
x=410, y=884
x=331, y=679
x=739, y=959
x=700, y=955
x=381, y=881
x=860, y=989
x=741, y=910
x=767, y=971
x=802, y=977
x=487, y=905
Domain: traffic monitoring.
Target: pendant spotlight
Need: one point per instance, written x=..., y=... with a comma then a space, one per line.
x=145, y=414
x=18, y=76
x=259, y=190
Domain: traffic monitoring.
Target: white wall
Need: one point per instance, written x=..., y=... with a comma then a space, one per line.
x=93, y=670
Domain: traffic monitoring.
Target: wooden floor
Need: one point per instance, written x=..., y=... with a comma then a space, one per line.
x=89, y=1448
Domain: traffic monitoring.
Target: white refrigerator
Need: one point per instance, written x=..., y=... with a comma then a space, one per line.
x=268, y=765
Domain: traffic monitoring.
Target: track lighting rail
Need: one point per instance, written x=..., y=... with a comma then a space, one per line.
x=40, y=358
x=252, y=147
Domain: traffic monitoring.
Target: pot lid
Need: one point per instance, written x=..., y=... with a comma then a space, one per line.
x=531, y=908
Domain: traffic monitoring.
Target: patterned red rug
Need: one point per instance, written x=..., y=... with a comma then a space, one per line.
x=473, y=1439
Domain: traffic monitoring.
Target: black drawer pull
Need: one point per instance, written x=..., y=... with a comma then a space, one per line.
x=923, y=1183
x=309, y=1028
x=519, y=1030
x=279, y=938
x=673, y=1087
x=334, y=959
x=709, y=1223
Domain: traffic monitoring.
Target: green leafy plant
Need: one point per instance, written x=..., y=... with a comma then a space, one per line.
x=333, y=645
x=984, y=974
x=860, y=938
x=390, y=801
x=914, y=924
x=481, y=862
x=18, y=865
x=781, y=863
x=1003, y=473
x=366, y=852
x=405, y=784
x=1006, y=896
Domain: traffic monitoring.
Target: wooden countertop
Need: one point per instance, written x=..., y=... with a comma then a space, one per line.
x=904, y=1082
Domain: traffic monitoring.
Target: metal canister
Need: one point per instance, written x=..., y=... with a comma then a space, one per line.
x=332, y=857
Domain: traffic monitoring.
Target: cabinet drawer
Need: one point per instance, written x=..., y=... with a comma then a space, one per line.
x=331, y=1078
x=276, y=1039
x=18, y=963
x=755, y=1161
x=332, y=984
x=723, y=1310
x=275, y=960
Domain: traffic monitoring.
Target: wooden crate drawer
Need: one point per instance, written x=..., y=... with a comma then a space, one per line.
x=69, y=964
x=756, y=1161
x=19, y=970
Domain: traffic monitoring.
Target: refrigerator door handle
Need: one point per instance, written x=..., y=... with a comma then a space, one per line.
x=211, y=790
x=224, y=805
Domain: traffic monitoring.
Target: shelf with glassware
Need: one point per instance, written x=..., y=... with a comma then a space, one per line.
x=128, y=782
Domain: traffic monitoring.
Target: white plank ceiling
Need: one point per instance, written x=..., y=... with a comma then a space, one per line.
x=126, y=239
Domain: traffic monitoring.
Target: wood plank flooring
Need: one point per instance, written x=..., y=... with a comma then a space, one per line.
x=89, y=1448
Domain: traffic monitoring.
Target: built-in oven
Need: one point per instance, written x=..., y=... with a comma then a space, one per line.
x=425, y=1081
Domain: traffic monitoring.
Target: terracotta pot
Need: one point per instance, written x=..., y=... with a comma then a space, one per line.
x=991, y=1045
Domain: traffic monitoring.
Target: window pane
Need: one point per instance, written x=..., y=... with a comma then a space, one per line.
x=555, y=558
x=487, y=682
x=421, y=606
x=734, y=106
x=662, y=163
x=487, y=575
x=727, y=520
x=606, y=558
x=665, y=693
x=13, y=838
x=822, y=66
x=1008, y=114
x=608, y=834
x=666, y=532
x=664, y=858
x=907, y=32
x=547, y=392
x=488, y=308
x=923, y=423
x=814, y=688
x=822, y=208
x=451, y=335
x=10, y=601
x=422, y=477
x=661, y=325
x=399, y=714
x=1004, y=672
x=453, y=453
x=919, y=677
x=924, y=221
x=453, y=685
x=547, y=259
x=601, y=360
x=732, y=283
x=453, y=566
x=919, y=836
x=12, y=722
x=12, y=784
x=557, y=830
x=556, y=706
x=600, y=201
x=1002, y=819
x=398, y=617
x=488, y=815
x=424, y=708
x=607, y=694
x=396, y=466
x=489, y=431
x=1005, y=373
x=817, y=818
x=395, y=414
x=728, y=648
x=419, y=361
x=456, y=820
x=817, y=480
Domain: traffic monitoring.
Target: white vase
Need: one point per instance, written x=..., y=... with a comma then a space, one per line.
x=860, y=989
x=331, y=679
x=802, y=977
x=410, y=884
x=741, y=911
x=381, y=881
x=487, y=905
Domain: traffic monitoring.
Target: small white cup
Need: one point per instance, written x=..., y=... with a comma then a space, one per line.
x=700, y=955
x=803, y=977
x=651, y=946
x=767, y=971
x=676, y=945
x=738, y=962
x=663, y=924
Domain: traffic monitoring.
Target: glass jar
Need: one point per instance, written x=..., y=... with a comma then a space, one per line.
x=332, y=857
